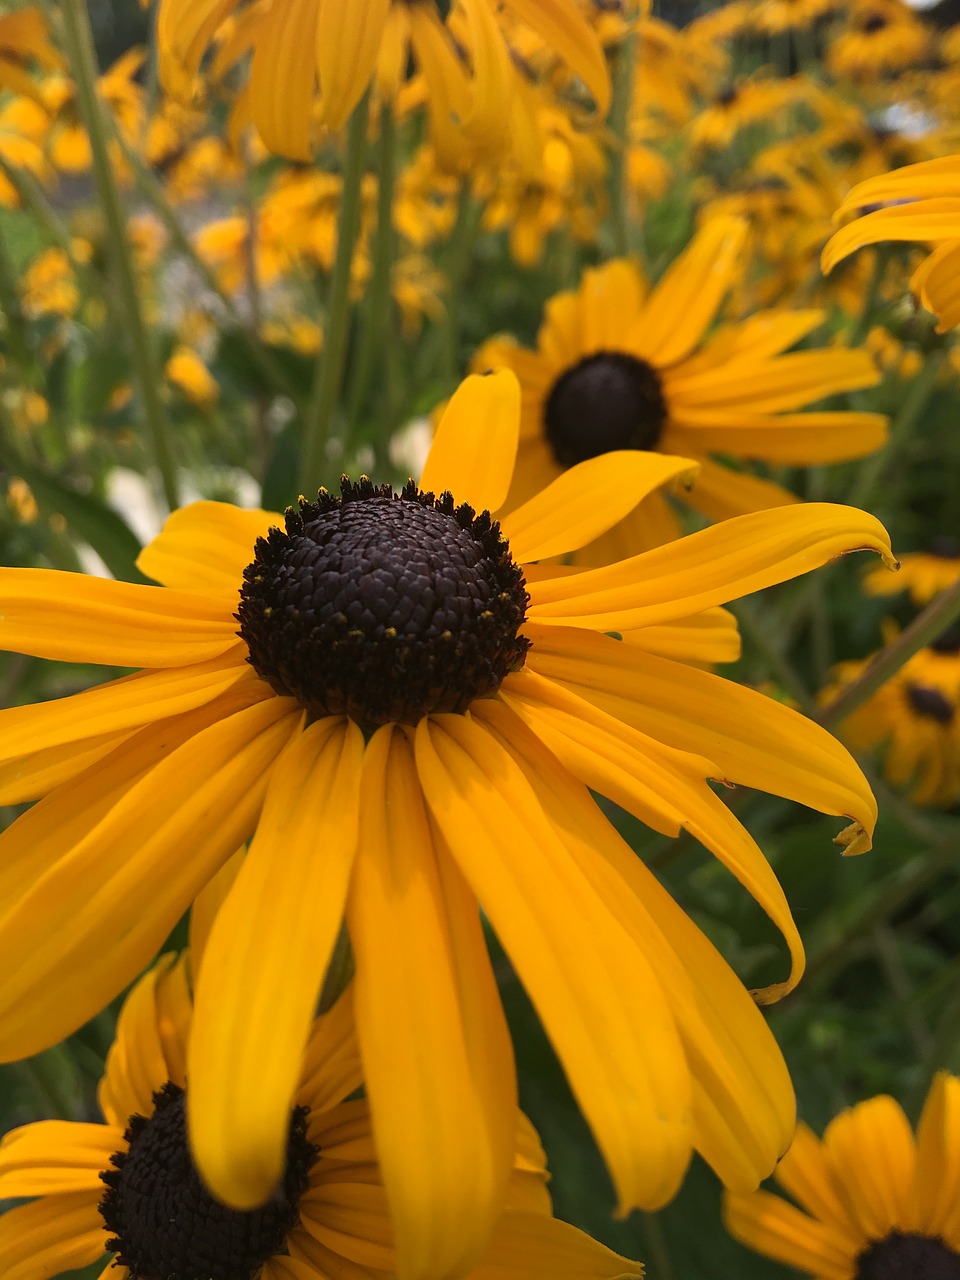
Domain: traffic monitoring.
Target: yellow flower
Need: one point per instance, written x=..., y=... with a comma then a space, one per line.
x=324, y=54
x=21, y=501
x=407, y=724
x=914, y=719
x=923, y=573
x=774, y=16
x=621, y=366
x=24, y=39
x=187, y=372
x=128, y=1187
x=879, y=37
x=744, y=103
x=875, y=1203
x=919, y=202
x=48, y=286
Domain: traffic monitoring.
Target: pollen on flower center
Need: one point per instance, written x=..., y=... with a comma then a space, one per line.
x=930, y=703
x=165, y=1223
x=608, y=401
x=384, y=606
x=908, y=1256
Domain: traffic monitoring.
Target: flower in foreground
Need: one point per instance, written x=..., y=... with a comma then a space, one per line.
x=324, y=54
x=129, y=1188
x=620, y=365
x=921, y=202
x=875, y=1203
x=408, y=726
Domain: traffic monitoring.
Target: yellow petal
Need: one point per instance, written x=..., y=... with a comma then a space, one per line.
x=114, y=624
x=936, y=1188
x=265, y=961
x=54, y=1234
x=348, y=42
x=705, y=638
x=475, y=447
x=63, y=956
x=721, y=493
x=940, y=177
x=436, y=1050
x=184, y=29
x=788, y=382
x=565, y=31
x=935, y=280
x=927, y=220
x=492, y=74
x=36, y=773
x=870, y=1152
x=587, y=500
x=526, y=1246
x=800, y=439
x=708, y=568
x=587, y=977
x=777, y=1230
x=56, y=1156
x=331, y=1066
x=755, y=740
x=805, y=1174
x=205, y=547
x=283, y=78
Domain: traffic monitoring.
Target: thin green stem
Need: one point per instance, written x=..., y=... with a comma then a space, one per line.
x=624, y=65
x=15, y=326
x=914, y=403
x=458, y=258
x=377, y=328
x=78, y=40
x=318, y=418
x=32, y=198
x=657, y=1251
x=925, y=628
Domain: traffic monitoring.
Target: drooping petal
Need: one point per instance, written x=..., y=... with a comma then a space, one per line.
x=492, y=73
x=184, y=29
x=874, y=1138
x=206, y=905
x=564, y=30
x=621, y=763
x=475, y=447
x=283, y=78
x=348, y=42
x=54, y=1234
x=205, y=547
x=777, y=1230
x=755, y=740
x=56, y=1156
x=708, y=568
x=599, y=1000
x=587, y=500
x=264, y=964
x=71, y=617
x=63, y=952
x=526, y=1246
x=927, y=220
x=436, y=1050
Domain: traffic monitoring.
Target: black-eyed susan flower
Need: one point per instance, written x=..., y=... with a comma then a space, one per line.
x=920, y=202
x=321, y=55
x=620, y=365
x=406, y=714
x=914, y=720
x=775, y=16
x=879, y=37
x=872, y=1202
x=923, y=573
x=128, y=1188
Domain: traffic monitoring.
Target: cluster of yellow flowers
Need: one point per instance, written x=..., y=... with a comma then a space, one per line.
x=350, y=739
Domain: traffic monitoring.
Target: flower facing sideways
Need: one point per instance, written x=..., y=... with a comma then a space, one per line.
x=129, y=1188
x=407, y=724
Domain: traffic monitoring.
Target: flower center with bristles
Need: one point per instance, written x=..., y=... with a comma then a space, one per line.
x=382, y=606
x=608, y=401
x=908, y=1256
x=164, y=1222
x=930, y=704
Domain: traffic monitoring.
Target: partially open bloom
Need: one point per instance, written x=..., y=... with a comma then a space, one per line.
x=920, y=202
x=913, y=719
x=322, y=54
x=407, y=721
x=621, y=365
x=129, y=1188
x=875, y=1203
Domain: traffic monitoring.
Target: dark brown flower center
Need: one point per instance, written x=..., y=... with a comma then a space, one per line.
x=908, y=1256
x=165, y=1223
x=930, y=703
x=384, y=606
x=948, y=642
x=608, y=401
x=873, y=22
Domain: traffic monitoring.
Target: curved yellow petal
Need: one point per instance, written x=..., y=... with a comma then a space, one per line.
x=114, y=624
x=703, y=639
x=939, y=177
x=936, y=281
x=870, y=1151
x=54, y=1234
x=721, y=493
x=348, y=42
x=437, y=1056
x=755, y=741
x=564, y=30
x=805, y=1174
x=205, y=547
x=926, y=220
x=264, y=964
x=475, y=447
x=283, y=78
x=777, y=1230
x=708, y=568
x=36, y=773
x=492, y=73
x=526, y=1246
x=800, y=439
x=789, y=382
x=56, y=1156
x=587, y=977
x=936, y=1183
x=587, y=500
x=332, y=1067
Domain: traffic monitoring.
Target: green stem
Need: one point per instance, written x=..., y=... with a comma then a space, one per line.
x=330, y=364
x=625, y=61
x=458, y=258
x=657, y=1251
x=32, y=198
x=78, y=39
x=377, y=328
x=915, y=401
x=923, y=630
x=15, y=325
x=865, y=319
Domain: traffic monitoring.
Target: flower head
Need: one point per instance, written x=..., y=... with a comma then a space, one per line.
x=407, y=724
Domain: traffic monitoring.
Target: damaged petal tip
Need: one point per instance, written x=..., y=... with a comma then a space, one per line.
x=853, y=840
